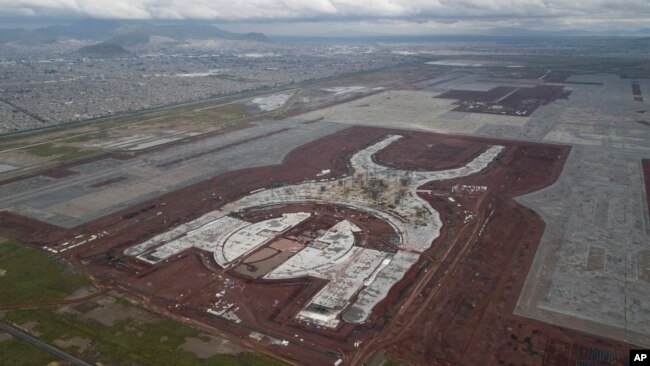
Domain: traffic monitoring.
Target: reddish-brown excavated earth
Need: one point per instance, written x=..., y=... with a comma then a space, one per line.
x=59, y=173
x=454, y=307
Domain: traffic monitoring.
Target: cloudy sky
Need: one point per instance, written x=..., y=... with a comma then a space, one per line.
x=363, y=16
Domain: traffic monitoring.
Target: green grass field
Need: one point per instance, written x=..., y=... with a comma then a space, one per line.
x=102, y=134
x=128, y=341
x=224, y=113
x=209, y=116
x=32, y=276
x=206, y=115
x=15, y=352
x=395, y=363
x=60, y=152
x=10, y=145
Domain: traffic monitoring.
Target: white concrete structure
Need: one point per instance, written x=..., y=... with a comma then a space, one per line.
x=413, y=218
x=377, y=289
x=181, y=230
x=339, y=241
x=346, y=278
x=243, y=240
x=228, y=238
x=206, y=237
x=387, y=193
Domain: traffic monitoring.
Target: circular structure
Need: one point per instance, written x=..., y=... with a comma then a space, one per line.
x=354, y=272
x=249, y=237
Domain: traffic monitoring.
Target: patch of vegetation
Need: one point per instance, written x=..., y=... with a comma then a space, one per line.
x=129, y=341
x=10, y=145
x=395, y=363
x=61, y=152
x=173, y=116
x=46, y=150
x=19, y=353
x=88, y=137
x=203, y=337
x=33, y=276
x=211, y=116
x=227, y=112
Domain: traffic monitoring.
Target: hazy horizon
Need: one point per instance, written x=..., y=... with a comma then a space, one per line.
x=328, y=17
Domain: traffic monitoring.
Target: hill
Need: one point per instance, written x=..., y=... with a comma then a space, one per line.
x=124, y=33
x=103, y=50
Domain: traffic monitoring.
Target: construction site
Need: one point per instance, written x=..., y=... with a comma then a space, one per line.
x=336, y=231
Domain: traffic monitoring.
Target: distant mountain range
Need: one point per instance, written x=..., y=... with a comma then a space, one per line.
x=103, y=50
x=122, y=33
x=492, y=33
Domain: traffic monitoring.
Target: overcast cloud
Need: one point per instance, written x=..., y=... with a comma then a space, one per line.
x=419, y=14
